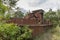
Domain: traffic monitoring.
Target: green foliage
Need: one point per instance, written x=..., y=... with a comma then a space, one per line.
x=13, y=2
x=8, y=9
x=3, y=9
x=19, y=14
x=13, y=32
x=8, y=16
x=53, y=17
x=10, y=31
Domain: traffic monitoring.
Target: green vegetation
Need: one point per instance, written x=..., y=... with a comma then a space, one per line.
x=53, y=16
x=13, y=32
x=10, y=31
x=18, y=13
x=3, y=9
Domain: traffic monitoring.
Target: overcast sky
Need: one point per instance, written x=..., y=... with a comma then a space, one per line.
x=38, y=4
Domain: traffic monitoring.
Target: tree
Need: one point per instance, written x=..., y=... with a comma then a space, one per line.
x=3, y=9
x=18, y=13
x=10, y=4
x=52, y=16
x=58, y=14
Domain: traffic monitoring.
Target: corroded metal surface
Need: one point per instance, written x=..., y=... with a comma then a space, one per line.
x=34, y=20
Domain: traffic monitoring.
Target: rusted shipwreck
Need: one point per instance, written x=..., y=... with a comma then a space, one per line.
x=35, y=21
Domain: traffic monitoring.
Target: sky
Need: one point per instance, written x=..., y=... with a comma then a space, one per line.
x=38, y=4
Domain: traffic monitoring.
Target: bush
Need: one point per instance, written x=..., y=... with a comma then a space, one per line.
x=13, y=32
